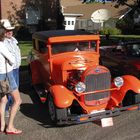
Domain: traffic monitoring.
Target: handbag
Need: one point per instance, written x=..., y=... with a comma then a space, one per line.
x=4, y=85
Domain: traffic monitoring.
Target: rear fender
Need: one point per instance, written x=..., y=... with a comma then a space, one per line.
x=130, y=83
x=63, y=97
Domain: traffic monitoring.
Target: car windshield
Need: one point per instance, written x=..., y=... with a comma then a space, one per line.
x=73, y=46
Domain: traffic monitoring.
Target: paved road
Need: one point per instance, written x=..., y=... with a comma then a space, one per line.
x=33, y=120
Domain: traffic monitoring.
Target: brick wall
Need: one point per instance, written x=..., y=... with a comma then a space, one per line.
x=14, y=10
x=10, y=8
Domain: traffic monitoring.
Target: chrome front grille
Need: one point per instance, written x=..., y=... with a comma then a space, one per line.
x=99, y=81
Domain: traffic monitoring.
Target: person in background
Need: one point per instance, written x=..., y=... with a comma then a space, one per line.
x=12, y=44
x=6, y=69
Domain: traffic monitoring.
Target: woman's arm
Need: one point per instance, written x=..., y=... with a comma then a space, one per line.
x=8, y=55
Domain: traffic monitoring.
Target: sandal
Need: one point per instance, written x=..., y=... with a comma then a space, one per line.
x=15, y=132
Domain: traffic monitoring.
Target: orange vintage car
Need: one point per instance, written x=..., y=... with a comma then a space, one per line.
x=66, y=74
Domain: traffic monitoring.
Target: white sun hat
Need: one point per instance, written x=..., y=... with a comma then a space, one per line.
x=6, y=24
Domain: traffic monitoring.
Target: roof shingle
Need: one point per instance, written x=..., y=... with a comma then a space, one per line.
x=77, y=7
x=88, y=9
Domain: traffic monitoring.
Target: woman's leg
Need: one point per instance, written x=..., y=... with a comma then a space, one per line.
x=7, y=105
x=3, y=102
x=10, y=99
x=17, y=101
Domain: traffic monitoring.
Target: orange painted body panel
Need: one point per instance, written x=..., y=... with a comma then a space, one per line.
x=63, y=97
x=72, y=39
x=130, y=83
x=64, y=62
x=36, y=78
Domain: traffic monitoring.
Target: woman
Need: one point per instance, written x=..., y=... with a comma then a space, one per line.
x=14, y=92
x=12, y=44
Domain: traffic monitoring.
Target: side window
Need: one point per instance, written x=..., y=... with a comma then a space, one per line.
x=42, y=47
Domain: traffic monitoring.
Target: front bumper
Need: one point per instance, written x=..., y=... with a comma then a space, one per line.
x=77, y=119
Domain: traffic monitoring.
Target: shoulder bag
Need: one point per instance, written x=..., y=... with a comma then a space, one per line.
x=4, y=84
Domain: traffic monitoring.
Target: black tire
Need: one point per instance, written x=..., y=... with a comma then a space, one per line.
x=129, y=99
x=57, y=116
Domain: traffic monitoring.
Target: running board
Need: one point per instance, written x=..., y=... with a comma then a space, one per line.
x=40, y=90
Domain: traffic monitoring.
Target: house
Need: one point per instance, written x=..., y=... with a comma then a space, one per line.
x=32, y=14
x=70, y=20
x=98, y=0
x=93, y=16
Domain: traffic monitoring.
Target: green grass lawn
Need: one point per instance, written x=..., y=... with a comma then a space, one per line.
x=25, y=48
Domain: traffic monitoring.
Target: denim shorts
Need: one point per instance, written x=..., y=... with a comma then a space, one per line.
x=13, y=85
x=16, y=75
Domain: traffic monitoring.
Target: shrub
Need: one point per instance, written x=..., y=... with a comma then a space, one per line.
x=23, y=34
x=111, y=31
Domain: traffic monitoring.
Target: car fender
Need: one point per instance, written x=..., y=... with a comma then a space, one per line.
x=62, y=96
x=130, y=83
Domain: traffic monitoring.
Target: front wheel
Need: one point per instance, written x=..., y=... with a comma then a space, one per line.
x=131, y=98
x=58, y=116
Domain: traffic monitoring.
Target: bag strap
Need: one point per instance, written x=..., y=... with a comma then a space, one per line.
x=6, y=61
x=6, y=68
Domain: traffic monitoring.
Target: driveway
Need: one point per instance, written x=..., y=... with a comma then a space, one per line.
x=33, y=119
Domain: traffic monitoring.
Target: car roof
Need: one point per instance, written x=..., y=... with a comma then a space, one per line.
x=44, y=35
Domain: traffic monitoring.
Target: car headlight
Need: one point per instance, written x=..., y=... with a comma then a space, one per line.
x=80, y=87
x=118, y=81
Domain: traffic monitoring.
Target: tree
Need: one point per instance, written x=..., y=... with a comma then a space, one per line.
x=90, y=1
x=135, y=5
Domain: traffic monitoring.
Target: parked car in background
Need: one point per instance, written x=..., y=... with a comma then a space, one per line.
x=122, y=59
x=65, y=72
